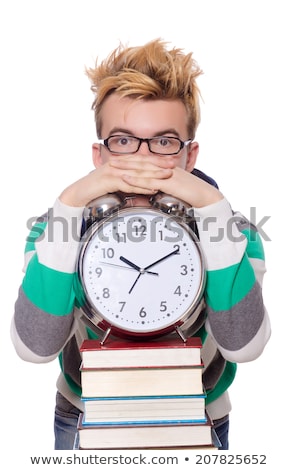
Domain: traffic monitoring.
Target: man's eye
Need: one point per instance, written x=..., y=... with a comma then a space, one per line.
x=123, y=141
x=163, y=142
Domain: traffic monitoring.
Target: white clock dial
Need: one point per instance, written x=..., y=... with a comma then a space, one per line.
x=141, y=270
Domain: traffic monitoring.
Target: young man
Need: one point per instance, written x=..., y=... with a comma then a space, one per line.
x=147, y=113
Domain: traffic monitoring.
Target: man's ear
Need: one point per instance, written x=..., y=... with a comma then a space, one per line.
x=96, y=155
x=193, y=151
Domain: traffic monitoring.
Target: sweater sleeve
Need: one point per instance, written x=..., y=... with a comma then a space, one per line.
x=235, y=265
x=44, y=309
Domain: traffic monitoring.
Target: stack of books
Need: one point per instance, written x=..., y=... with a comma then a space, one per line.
x=143, y=395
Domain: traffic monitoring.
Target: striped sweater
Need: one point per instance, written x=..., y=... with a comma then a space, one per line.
x=235, y=329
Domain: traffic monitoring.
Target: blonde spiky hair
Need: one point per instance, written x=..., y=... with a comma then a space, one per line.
x=148, y=72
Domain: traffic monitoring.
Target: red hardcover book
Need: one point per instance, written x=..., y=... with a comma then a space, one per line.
x=171, y=352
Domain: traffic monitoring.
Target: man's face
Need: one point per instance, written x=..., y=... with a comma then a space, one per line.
x=146, y=119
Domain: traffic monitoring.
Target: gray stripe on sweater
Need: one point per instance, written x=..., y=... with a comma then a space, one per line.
x=235, y=328
x=33, y=323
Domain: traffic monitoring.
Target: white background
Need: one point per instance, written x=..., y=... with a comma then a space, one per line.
x=248, y=143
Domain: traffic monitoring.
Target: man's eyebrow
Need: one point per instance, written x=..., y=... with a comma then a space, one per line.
x=168, y=131
x=120, y=130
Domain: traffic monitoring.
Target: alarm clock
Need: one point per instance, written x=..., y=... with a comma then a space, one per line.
x=140, y=267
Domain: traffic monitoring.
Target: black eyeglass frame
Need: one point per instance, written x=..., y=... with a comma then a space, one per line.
x=183, y=144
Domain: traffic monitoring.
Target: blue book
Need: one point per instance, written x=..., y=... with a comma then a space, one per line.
x=144, y=409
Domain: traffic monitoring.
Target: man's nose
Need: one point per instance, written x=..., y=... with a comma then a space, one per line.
x=144, y=148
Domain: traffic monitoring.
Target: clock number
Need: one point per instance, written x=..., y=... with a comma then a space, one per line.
x=122, y=305
x=163, y=306
x=136, y=229
x=184, y=271
x=106, y=293
x=140, y=231
x=177, y=247
x=120, y=238
x=178, y=290
x=98, y=272
x=142, y=313
x=108, y=253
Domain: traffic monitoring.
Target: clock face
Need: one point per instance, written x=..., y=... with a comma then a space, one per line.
x=141, y=270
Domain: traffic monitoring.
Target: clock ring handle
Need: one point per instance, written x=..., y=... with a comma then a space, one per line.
x=110, y=203
x=171, y=205
x=105, y=205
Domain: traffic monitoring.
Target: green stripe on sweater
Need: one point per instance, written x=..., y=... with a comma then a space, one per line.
x=36, y=232
x=254, y=247
x=226, y=287
x=50, y=290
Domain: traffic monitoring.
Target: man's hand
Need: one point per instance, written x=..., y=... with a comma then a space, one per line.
x=114, y=176
x=140, y=175
x=146, y=176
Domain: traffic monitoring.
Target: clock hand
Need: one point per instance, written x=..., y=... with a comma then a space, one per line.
x=115, y=265
x=130, y=263
x=144, y=270
x=163, y=258
x=137, y=268
x=139, y=275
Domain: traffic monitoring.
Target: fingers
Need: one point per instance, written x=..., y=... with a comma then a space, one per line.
x=141, y=163
x=141, y=174
x=130, y=175
x=149, y=180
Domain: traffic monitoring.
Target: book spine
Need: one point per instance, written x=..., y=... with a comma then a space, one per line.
x=150, y=422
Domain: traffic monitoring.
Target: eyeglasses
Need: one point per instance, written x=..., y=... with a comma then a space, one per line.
x=161, y=145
